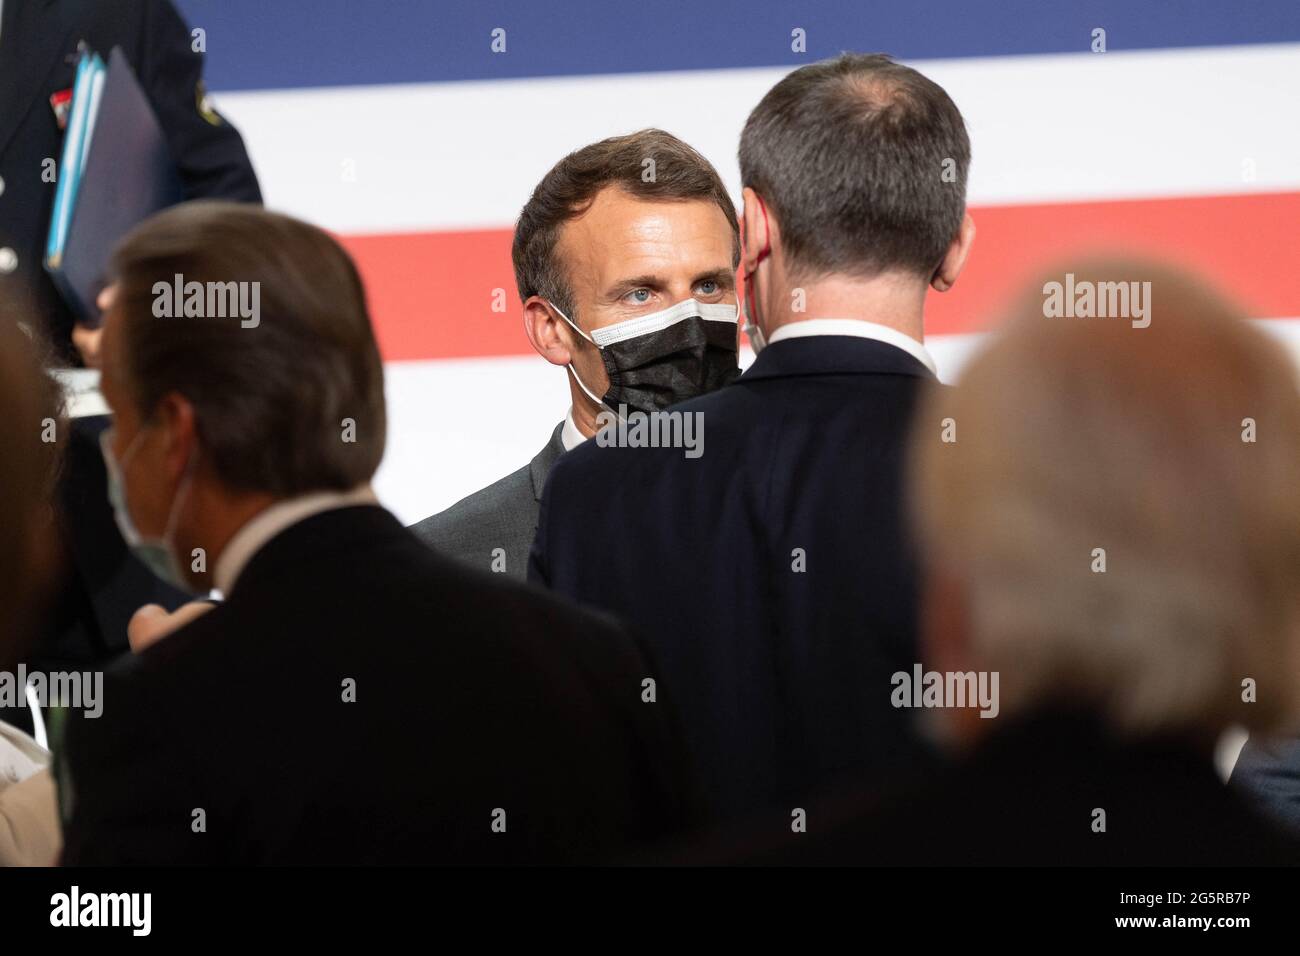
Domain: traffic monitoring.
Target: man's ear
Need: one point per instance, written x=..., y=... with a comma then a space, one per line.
x=181, y=428
x=753, y=231
x=548, y=333
x=945, y=277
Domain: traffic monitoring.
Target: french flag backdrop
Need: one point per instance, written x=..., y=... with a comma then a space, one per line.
x=393, y=124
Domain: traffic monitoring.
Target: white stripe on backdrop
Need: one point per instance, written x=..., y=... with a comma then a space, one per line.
x=1043, y=129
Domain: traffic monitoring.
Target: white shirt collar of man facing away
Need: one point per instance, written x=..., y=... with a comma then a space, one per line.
x=860, y=329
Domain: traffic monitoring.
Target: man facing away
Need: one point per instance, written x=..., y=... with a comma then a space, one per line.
x=357, y=698
x=771, y=574
x=625, y=259
x=1112, y=543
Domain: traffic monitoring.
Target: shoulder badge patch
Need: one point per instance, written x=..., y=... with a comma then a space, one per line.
x=205, y=105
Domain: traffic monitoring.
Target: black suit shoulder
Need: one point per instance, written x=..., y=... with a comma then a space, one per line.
x=140, y=762
x=385, y=701
x=602, y=459
x=1042, y=792
x=773, y=574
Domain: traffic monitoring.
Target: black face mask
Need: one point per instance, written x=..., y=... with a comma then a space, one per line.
x=658, y=360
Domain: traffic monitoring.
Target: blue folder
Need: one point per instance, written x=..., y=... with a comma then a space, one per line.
x=116, y=171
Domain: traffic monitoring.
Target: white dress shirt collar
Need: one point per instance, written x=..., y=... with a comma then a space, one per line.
x=861, y=329
x=570, y=437
x=264, y=526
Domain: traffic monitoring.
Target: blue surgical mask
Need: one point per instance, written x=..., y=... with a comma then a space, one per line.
x=157, y=554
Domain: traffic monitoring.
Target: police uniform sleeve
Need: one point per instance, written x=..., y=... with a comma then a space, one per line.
x=209, y=152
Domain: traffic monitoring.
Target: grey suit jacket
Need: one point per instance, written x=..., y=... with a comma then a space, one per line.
x=502, y=515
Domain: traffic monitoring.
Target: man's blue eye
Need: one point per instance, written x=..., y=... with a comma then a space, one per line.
x=640, y=295
x=708, y=287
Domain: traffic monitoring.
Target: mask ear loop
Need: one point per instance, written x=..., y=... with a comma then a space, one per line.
x=183, y=489
x=752, y=331
x=117, y=466
x=573, y=371
x=572, y=324
x=132, y=447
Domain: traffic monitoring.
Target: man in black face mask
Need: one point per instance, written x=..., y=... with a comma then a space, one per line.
x=625, y=257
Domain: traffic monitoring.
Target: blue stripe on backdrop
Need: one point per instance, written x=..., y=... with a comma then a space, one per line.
x=268, y=44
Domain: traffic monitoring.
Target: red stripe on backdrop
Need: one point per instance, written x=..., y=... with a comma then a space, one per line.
x=432, y=294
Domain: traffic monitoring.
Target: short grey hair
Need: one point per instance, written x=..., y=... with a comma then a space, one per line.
x=863, y=162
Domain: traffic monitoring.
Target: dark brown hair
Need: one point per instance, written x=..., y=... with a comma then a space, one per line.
x=680, y=173
x=271, y=400
x=863, y=161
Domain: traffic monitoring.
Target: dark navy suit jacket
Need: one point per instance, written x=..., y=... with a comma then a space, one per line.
x=771, y=576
